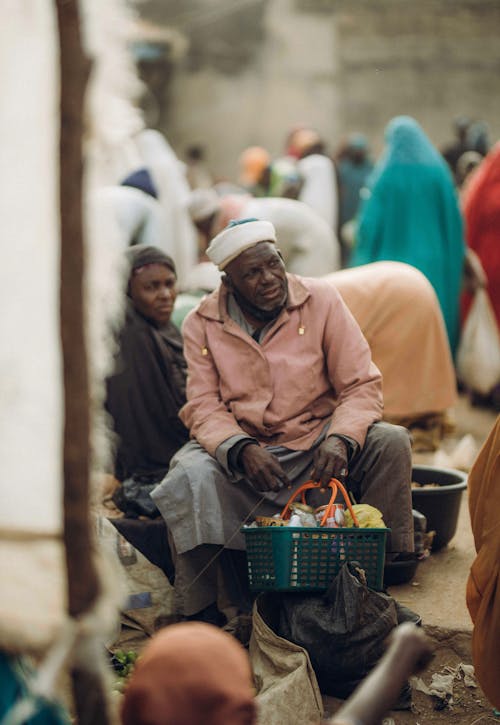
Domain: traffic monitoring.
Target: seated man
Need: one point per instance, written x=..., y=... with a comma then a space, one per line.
x=144, y=395
x=281, y=388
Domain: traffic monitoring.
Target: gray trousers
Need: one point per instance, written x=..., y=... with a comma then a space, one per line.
x=204, y=509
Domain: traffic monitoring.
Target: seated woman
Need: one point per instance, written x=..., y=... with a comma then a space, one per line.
x=399, y=314
x=145, y=392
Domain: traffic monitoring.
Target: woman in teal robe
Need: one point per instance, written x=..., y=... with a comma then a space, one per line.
x=411, y=214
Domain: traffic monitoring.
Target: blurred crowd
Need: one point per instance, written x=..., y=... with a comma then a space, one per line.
x=336, y=209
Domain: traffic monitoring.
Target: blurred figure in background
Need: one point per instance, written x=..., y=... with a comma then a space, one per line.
x=452, y=151
x=262, y=176
x=319, y=187
x=197, y=173
x=309, y=245
x=473, y=136
x=478, y=137
x=255, y=170
x=399, y=314
x=133, y=210
x=481, y=208
x=411, y=214
x=354, y=165
x=466, y=164
x=168, y=173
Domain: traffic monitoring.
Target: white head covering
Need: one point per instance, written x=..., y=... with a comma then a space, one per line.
x=202, y=204
x=238, y=236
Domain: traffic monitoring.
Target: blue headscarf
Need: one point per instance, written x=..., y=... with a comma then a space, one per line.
x=411, y=214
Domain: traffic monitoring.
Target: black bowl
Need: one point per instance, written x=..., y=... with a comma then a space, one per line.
x=441, y=504
x=399, y=572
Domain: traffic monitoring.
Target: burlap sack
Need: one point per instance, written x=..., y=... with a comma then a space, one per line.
x=287, y=690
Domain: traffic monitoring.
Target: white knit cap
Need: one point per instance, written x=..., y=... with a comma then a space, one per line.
x=202, y=204
x=238, y=236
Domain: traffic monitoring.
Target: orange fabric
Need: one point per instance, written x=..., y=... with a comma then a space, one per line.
x=252, y=162
x=304, y=139
x=483, y=585
x=190, y=674
x=399, y=314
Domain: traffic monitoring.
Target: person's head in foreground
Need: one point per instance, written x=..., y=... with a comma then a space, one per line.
x=190, y=673
x=254, y=271
x=152, y=283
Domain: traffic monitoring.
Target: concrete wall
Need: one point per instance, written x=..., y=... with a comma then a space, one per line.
x=255, y=68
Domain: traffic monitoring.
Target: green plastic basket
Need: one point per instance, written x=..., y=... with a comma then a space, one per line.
x=291, y=559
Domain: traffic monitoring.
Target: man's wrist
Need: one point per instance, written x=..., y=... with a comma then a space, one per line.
x=351, y=445
x=235, y=453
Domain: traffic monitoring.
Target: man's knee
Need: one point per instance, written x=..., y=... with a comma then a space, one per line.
x=393, y=440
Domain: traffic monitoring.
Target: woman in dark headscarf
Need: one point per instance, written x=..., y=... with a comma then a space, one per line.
x=148, y=386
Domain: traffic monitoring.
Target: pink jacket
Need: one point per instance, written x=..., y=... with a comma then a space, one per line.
x=312, y=363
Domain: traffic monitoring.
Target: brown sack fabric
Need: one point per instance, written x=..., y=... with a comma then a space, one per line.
x=287, y=689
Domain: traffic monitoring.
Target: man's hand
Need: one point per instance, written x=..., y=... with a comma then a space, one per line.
x=262, y=469
x=411, y=647
x=330, y=460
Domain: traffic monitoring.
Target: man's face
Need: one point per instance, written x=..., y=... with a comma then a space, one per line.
x=259, y=275
x=153, y=291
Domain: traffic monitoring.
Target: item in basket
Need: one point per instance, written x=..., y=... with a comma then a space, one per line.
x=295, y=520
x=305, y=514
x=296, y=505
x=336, y=518
x=368, y=517
x=270, y=521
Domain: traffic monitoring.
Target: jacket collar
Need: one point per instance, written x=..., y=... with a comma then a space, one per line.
x=214, y=307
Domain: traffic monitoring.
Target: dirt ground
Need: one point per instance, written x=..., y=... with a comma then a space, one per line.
x=437, y=593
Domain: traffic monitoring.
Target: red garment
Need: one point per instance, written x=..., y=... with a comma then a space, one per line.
x=481, y=207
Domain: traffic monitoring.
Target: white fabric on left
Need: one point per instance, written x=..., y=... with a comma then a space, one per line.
x=30, y=383
x=32, y=565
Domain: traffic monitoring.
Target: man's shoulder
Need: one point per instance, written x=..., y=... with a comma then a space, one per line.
x=207, y=308
x=318, y=290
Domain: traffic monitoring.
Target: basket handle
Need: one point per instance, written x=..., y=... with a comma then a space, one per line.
x=334, y=484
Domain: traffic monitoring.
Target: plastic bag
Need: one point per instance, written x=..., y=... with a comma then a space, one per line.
x=344, y=631
x=132, y=497
x=478, y=354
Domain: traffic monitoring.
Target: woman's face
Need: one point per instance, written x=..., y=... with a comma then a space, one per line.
x=153, y=290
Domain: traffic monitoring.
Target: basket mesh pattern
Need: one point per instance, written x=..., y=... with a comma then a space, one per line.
x=307, y=559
